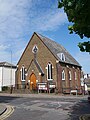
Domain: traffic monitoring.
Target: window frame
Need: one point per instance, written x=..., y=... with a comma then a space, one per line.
x=63, y=74
x=35, y=49
x=70, y=75
x=23, y=75
x=49, y=71
x=62, y=57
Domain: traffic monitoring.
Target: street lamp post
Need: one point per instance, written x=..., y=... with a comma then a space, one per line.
x=11, y=87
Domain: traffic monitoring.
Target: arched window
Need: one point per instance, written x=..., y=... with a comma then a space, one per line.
x=49, y=71
x=70, y=75
x=63, y=75
x=23, y=72
x=62, y=57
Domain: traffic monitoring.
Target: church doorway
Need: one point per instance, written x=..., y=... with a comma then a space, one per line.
x=33, y=84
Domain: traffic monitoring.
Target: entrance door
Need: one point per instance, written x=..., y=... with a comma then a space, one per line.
x=32, y=81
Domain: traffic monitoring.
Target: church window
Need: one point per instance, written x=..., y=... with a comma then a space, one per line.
x=63, y=75
x=49, y=71
x=69, y=75
x=35, y=49
x=23, y=76
x=62, y=57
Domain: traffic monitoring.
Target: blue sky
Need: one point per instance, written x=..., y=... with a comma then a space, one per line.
x=20, y=18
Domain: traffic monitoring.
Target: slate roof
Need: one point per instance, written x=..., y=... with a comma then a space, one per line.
x=56, y=49
x=6, y=64
x=39, y=67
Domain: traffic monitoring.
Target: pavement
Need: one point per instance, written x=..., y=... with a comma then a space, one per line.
x=7, y=110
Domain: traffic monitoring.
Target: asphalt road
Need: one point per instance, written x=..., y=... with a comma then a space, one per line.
x=46, y=108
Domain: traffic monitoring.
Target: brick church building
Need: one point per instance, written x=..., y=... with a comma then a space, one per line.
x=47, y=66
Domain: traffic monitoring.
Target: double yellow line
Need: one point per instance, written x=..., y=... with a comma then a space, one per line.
x=7, y=113
x=85, y=117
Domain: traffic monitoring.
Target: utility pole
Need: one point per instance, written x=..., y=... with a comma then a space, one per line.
x=11, y=87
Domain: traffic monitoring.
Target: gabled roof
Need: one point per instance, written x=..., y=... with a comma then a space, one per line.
x=56, y=49
x=6, y=64
x=37, y=65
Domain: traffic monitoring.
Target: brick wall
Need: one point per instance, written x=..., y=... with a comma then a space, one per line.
x=44, y=55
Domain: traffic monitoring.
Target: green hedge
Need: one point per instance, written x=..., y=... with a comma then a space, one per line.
x=5, y=88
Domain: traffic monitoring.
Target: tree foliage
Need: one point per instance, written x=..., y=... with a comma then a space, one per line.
x=78, y=13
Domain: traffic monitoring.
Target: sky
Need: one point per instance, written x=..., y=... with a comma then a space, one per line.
x=20, y=18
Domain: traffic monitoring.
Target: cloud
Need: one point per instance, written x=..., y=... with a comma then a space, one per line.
x=47, y=18
x=50, y=22
x=4, y=47
x=12, y=18
x=20, y=18
x=84, y=60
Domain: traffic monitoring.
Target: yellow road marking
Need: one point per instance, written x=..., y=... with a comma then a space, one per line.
x=7, y=113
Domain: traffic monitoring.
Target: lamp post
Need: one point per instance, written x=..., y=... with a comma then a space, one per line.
x=11, y=87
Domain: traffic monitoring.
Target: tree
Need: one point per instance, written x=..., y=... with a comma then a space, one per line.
x=78, y=13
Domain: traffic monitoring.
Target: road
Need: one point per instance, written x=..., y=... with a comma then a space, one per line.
x=46, y=108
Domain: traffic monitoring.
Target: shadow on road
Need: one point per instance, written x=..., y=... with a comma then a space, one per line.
x=7, y=99
x=80, y=108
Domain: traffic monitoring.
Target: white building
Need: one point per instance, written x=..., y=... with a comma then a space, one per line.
x=86, y=76
x=7, y=74
x=87, y=80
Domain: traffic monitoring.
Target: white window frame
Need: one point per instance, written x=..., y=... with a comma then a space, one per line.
x=23, y=73
x=35, y=47
x=70, y=75
x=62, y=57
x=63, y=75
x=49, y=70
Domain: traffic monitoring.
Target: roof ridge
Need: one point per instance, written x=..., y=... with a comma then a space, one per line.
x=51, y=40
x=6, y=63
x=58, y=48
